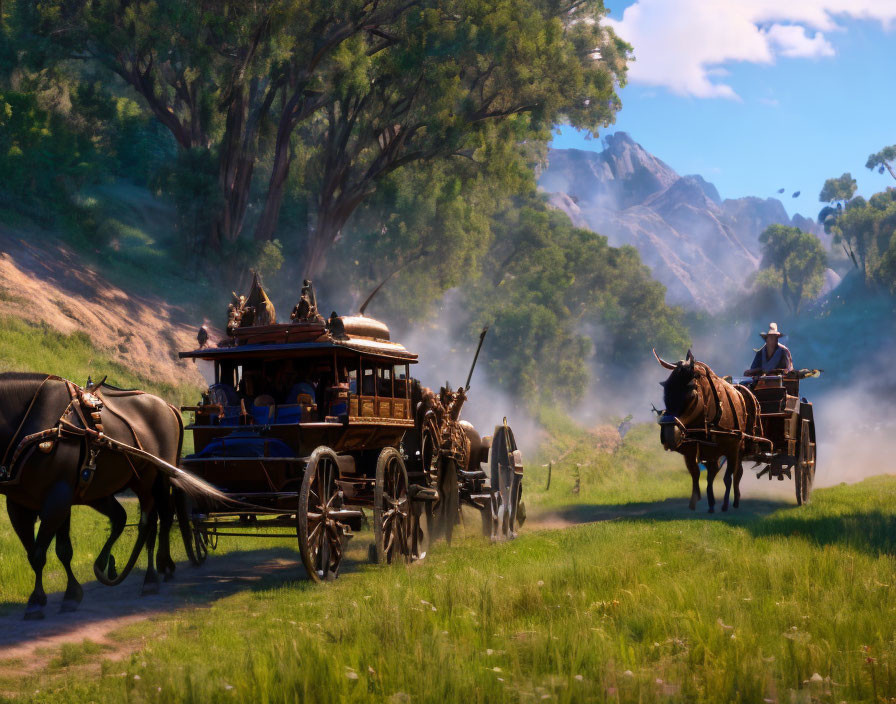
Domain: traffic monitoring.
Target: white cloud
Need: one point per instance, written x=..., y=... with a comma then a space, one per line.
x=792, y=41
x=682, y=44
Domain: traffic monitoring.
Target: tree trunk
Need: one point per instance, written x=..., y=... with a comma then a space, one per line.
x=270, y=215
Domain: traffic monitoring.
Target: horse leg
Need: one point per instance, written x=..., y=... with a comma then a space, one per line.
x=738, y=473
x=73, y=591
x=118, y=518
x=727, y=479
x=151, y=580
x=712, y=468
x=164, y=563
x=56, y=509
x=22, y=520
x=694, y=469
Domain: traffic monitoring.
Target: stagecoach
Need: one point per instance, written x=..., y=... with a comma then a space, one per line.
x=787, y=447
x=309, y=424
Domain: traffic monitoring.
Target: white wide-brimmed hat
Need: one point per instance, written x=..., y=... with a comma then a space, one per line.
x=772, y=330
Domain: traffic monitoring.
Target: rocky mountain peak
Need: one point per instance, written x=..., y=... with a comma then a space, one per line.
x=700, y=246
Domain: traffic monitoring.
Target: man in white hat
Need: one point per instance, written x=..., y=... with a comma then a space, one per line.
x=773, y=357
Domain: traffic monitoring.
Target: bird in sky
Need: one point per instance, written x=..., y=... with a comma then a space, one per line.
x=781, y=190
x=796, y=194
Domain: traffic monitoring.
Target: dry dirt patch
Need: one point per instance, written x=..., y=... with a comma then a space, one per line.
x=45, y=281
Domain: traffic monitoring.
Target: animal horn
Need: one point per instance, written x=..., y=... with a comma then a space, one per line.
x=663, y=363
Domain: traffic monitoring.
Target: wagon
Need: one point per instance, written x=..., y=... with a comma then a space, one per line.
x=787, y=448
x=308, y=424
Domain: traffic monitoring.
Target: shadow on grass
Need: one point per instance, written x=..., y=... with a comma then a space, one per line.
x=672, y=509
x=872, y=532
x=105, y=608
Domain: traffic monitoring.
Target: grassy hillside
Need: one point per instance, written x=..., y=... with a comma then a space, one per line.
x=774, y=603
x=40, y=348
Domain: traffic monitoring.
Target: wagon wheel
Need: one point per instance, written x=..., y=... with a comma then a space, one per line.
x=196, y=539
x=321, y=536
x=505, y=503
x=489, y=516
x=395, y=531
x=506, y=486
x=805, y=469
x=445, y=511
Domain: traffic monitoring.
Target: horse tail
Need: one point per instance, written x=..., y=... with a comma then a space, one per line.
x=189, y=483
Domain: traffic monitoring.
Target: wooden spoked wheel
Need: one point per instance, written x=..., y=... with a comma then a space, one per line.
x=505, y=502
x=321, y=536
x=197, y=540
x=804, y=476
x=445, y=511
x=394, y=530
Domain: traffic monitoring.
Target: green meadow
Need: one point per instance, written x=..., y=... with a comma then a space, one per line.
x=772, y=603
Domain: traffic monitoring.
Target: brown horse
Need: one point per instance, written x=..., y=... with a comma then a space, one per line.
x=50, y=465
x=705, y=419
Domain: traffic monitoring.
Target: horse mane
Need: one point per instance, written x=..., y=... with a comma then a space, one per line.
x=22, y=376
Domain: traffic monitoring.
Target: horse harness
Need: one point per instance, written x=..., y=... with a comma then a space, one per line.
x=711, y=427
x=81, y=420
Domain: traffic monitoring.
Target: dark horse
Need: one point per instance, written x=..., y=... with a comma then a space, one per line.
x=51, y=471
x=705, y=419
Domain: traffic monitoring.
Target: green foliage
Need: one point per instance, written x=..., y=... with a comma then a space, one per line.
x=550, y=289
x=794, y=259
x=866, y=229
x=883, y=160
x=365, y=90
x=838, y=189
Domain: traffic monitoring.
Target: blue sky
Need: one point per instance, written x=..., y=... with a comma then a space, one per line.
x=757, y=97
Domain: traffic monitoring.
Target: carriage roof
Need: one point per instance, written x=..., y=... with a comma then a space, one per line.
x=274, y=341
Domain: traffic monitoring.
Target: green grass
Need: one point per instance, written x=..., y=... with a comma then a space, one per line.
x=41, y=348
x=666, y=606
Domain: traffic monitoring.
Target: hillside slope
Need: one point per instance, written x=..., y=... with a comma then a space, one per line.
x=43, y=281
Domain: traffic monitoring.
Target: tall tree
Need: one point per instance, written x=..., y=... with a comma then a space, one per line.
x=798, y=258
x=459, y=80
x=219, y=76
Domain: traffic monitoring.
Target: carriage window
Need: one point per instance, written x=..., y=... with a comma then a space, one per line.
x=353, y=381
x=384, y=381
x=401, y=381
x=368, y=382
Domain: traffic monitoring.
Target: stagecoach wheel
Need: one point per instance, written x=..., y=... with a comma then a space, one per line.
x=506, y=484
x=489, y=516
x=507, y=501
x=321, y=537
x=806, y=463
x=195, y=537
x=393, y=523
x=445, y=511
x=429, y=450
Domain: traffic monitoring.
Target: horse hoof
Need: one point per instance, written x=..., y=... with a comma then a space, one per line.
x=724, y=508
x=711, y=510
x=69, y=606
x=150, y=589
x=34, y=613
